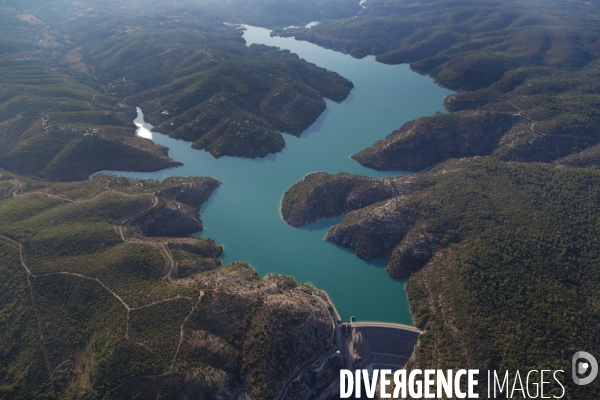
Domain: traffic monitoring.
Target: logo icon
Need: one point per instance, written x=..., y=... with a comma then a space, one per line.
x=582, y=363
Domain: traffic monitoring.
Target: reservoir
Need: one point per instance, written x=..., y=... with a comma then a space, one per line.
x=243, y=214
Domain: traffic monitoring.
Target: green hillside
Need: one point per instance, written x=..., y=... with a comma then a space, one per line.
x=501, y=260
x=91, y=308
x=70, y=82
x=535, y=62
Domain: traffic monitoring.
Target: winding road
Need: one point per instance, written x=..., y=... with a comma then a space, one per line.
x=321, y=356
x=170, y=266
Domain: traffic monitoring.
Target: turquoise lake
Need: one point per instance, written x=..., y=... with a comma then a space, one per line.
x=243, y=214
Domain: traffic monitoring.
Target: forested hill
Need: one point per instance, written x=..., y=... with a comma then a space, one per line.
x=528, y=71
x=501, y=260
x=105, y=295
x=71, y=78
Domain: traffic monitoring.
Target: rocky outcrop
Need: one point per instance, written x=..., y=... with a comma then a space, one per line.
x=390, y=229
x=177, y=213
x=427, y=141
x=192, y=191
x=383, y=216
x=172, y=219
x=415, y=250
x=269, y=328
x=372, y=232
x=589, y=158
x=378, y=223
x=322, y=195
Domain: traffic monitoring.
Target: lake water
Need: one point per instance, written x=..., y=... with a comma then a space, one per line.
x=243, y=214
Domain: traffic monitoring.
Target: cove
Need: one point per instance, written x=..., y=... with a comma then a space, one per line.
x=243, y=214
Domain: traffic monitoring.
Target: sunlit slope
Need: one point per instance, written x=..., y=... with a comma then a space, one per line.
x=93, y=308
x=501, y=260
x=203, y=85
x=52, y=123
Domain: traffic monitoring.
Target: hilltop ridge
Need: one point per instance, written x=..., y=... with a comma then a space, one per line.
x=527, y=74
x=99, y=309
x=70, y=83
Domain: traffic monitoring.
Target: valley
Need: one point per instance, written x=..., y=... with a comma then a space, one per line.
x=410, y=184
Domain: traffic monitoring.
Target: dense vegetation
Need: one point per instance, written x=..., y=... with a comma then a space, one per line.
x=516, y=286
x=86, y=314
x=423, y=142
x=501, y=260
x=70, y=82
x=535, y=61
x=202, y=84
x=226, y=98
x=303, y=204
x=54, y=126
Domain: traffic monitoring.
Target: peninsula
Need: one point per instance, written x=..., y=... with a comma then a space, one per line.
x=526, y=71
x=107, y=293
x=68, y=100
x=104, y=298
x=493, y=254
